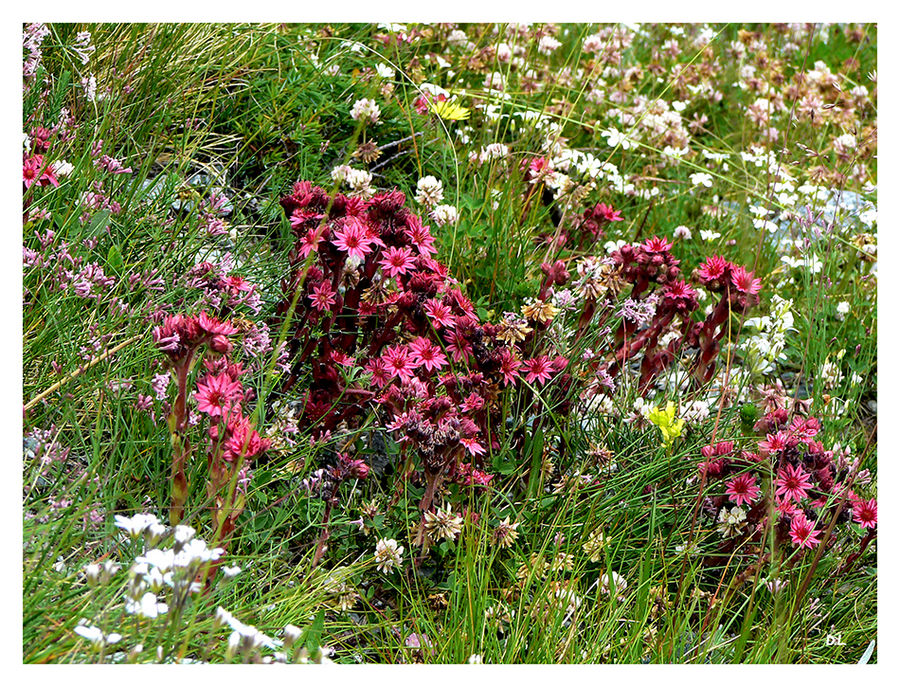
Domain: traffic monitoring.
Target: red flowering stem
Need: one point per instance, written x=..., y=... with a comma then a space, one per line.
x=432, y=482
x=181, y=445
x=590, y=306
x=851, y=559
x=322, y=543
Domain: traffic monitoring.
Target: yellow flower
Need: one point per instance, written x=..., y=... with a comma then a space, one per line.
x=449, y=110
x=667, y=423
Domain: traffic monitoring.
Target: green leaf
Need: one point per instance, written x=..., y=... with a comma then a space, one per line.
x=114, y=259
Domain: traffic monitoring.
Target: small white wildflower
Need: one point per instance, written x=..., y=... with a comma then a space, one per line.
x=148, y=606
x=683, y=232
x=384, y=71
x=708, y=235
x=136, y=525
x=475, y=659
x=615, y=138
x=842, y=309
x=184, y=534
x=95, y=635
x=701, y=179
x=231, y=571
x=61, y=168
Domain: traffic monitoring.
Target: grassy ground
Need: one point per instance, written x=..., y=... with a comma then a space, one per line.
x=249, y=110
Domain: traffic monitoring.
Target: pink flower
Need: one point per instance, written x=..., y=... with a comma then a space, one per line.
x=420, y=236
x=608, y=213
x=787, y=507
x=31, y=172
x=713, y=269
x=539, y=369
x=236, y=283
x=218, y=396
x=742, y=489
x=426, y=353
x=439, y=313
x=397, y=362
x=509, y=366
x=472, y=446
x=213, y=326
x=322, y=297
x=744, y=282
x=397, y=261
x=656, y=244
x=310, y=242
x=380, y=374
x=773, y=443
x=866, y=513
x=472, y=402
x=803, y=532
x=243, y=440
x=458, y=346
x=354, y=240
x=792, y=482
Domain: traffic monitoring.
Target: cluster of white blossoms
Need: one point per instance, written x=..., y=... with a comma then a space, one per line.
x=171, y=570
x=765, y=345
x=429, y=191
x=172, y=573
x=365, y=110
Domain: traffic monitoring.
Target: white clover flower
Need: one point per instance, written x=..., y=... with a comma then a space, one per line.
x=365, y=110
x=701, y=179
x=388, y=554
x=614, y=582
x=457, y=38
x=730, y=522
x=444, y=214
x=429, y=191
x=683, y=232
x=547, y=45
x=443, y=524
